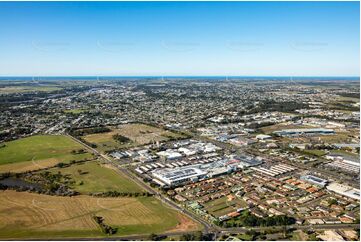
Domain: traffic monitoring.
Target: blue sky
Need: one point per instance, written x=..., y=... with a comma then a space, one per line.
x=180, y=38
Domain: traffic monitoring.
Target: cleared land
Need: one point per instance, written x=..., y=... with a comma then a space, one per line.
x=315, y=152
x=23, y=89
x=275, y=127
x=30, y=215
x=76, y=111
x=224, y=205
x=139, y=134
x=38, y=152
x=93, y=177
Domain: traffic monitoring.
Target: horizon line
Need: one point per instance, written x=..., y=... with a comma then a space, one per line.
x=33, y=76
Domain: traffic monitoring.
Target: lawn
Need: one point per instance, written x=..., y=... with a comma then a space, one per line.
x=31, y=216
x=75, y=111
x=223, y=206
x=38, y=152
x=97, y=177
x=315, y=152
x=139, y=134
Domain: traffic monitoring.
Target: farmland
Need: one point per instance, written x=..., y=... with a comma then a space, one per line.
x=36, y=216
x=42, y=216
x=138, y=134
x=25, y=89
x=93, y=177
x=37, y=152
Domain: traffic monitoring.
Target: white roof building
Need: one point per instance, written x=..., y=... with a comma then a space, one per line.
x=344, y=190
x=263, y=137
x=177, y=176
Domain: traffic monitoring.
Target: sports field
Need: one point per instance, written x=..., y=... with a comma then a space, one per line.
x=37, y=152
x=31, y=216
x=139, y=134
x=94, y=177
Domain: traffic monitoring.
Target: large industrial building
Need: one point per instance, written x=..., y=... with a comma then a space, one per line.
x=315, y=180
x=274, y=170
x=297, y=132
x=344, y=190
x=174, y=177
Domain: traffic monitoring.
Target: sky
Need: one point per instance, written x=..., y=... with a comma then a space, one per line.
x=179, y=38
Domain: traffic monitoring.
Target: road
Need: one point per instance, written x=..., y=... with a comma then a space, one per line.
x=303, y=227
x=207, y=227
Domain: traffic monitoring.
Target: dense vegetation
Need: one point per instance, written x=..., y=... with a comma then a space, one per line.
x=43, y=182
x=91, y=130
x=105, y=228
x=121, y=194
x=248, y=219
x=121, y=139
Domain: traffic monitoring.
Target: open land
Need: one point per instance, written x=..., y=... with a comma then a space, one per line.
x=139, y=134
x=94, y=177
x=38, y=152
x=25, y=89
x=43, y=216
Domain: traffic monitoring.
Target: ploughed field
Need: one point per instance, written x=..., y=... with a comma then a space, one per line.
x=63, y=200
x=30, y=215
x=39, y=151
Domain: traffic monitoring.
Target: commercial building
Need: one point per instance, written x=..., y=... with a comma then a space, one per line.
x=177, y=176
x=344, y=190
x=297, y=132
x=263, y=137
x=169, y=154
x=274, y=170
x=315, y=180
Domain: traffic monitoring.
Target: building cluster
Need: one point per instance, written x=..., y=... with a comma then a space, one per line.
x=310, y=199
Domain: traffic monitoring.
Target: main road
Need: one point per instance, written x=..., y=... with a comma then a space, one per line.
x=207, y=227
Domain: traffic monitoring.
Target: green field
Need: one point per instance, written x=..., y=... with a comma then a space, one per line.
x=222, y=206
x=96, y=177
x=315, y=152
x=39, y=151
x=75, y=111
x=24, y=89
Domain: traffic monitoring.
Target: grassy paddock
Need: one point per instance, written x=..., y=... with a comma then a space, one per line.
x=24, y=89
x=76, y=111
x=139, y=134
x=222, y=206
x=38, y=151
x=97, y=177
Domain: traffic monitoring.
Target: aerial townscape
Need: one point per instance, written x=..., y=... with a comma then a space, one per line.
x=180, y=120
x=180, y=158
